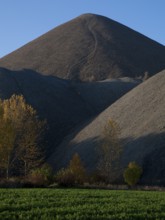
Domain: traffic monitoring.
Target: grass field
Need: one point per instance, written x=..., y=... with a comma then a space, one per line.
x=49, y=204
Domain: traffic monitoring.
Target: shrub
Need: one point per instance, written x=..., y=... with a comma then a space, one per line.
x=74, y=174
x=65, y=177
x=132, y=173
x=13, y=182
x=41, y=176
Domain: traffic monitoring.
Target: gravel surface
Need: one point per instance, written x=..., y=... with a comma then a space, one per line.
x=140, y=115
x=89, y=48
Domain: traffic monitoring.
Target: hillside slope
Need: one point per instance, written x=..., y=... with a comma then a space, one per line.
x=89, y=48
x=140, y=115
x=62, y=103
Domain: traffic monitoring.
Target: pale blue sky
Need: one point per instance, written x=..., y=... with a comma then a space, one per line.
x=23, y=20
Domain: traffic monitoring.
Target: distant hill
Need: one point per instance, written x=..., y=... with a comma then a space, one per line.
x=140, y=115
x=89, y=48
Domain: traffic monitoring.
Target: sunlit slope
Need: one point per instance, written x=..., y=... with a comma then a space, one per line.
x=140, y=115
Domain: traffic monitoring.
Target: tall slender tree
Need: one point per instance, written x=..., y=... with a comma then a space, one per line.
x=110, y=151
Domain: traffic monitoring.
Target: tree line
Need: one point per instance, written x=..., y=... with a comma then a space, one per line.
x=21, y=150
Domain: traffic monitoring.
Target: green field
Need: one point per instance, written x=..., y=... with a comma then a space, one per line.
x=80, y=204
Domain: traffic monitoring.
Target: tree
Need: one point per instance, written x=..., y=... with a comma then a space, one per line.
x=132, y=173
x=7, y=136
x=77, y=168
x=110, y=151
x=21, y=130
x=28, y=150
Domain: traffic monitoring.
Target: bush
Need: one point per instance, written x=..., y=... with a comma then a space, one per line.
x=132, y=173
x=74, y=174
x=13, y=182
x=65, y=177
x=96, y=178
x=41, y=176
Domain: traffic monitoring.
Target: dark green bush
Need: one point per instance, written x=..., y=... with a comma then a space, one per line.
x=132, y=173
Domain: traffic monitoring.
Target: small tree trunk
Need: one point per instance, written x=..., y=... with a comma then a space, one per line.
x=25, y=171
x=7, y=174
x=7, y=170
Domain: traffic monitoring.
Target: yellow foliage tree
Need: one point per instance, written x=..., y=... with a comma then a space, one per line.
x=77, y=169
x=23, y=133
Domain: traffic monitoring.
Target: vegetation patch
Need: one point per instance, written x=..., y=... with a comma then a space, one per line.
x=80, y=204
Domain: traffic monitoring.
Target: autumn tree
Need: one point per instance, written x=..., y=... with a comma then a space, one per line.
x=77, y=168
x=28, y=150
x=132, y=173
x=7, y=137
x=23, y=133
x=110, y=151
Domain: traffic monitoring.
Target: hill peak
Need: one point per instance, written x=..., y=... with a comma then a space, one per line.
x=91, y=15
x=89, y=48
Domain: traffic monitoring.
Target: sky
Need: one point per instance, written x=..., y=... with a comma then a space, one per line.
x=21, y=21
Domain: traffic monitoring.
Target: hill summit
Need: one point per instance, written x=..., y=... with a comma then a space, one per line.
x=89, y=48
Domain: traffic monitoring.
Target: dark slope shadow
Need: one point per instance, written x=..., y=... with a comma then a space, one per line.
x=148, y=151
x=86, y=150
x=64, y=104
x=100, y=95
x=50, y=96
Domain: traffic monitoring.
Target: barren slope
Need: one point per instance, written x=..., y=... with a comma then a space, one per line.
x=140, y=115
x=53, y=99
x=64, y=104
x=89, y=48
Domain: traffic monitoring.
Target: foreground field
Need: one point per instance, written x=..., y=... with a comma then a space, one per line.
x=80, y=204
